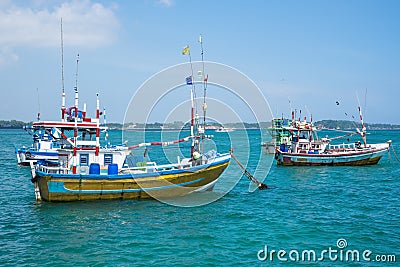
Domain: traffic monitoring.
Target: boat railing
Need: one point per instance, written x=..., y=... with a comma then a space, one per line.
x=149, y=167
x=52, y=169
x=342, y=147
x=85, y=143
x=146, y=167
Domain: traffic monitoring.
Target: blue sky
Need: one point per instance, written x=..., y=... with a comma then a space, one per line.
x=311, y=52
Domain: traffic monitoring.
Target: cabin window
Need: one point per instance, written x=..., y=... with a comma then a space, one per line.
x=84, y=159
x=108, y=159
x=303, y=146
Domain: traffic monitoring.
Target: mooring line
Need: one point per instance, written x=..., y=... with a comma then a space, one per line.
x=395, y=155
x=260, y=185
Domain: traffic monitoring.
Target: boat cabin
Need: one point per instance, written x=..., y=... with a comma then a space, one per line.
x=304, y=141
x=87, y=158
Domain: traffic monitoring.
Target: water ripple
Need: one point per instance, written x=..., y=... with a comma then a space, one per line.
x=310, y=208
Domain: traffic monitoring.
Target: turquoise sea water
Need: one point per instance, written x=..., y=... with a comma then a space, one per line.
x=308, y=208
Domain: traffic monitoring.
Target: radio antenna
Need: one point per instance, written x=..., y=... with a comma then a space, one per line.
x=62, y=76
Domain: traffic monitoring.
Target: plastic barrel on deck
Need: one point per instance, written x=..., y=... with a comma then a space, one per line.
x=113, y=168
x=94, y=168
x=282, y=147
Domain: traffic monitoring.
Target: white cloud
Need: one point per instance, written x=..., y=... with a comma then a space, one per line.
x=7, y=56
x=167, y=3
x=37, y=24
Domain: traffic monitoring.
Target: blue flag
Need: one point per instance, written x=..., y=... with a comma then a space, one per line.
x=189, y=80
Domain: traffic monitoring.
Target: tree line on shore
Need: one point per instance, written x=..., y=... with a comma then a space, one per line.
x=323, y=124
x=13, y=124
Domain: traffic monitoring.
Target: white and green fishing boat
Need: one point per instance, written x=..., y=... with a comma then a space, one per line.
x=306, y=149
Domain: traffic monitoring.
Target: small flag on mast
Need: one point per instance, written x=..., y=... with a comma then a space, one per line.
x=186, y=50
x=200, y=39
x=189, y=80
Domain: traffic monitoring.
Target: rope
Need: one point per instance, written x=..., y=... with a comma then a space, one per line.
x=260, y=185
x=395, y=155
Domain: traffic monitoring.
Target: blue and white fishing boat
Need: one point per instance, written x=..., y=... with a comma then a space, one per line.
x=44, y=147
x=85, y=170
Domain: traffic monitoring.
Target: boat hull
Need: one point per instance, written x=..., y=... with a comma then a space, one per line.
x=350, y=158
x=24, y=158
x=64, y=187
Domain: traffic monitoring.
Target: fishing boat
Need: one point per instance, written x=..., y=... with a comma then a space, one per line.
x=307, y=149
x=279, y=135
x=147, y=181
x=44, y=147
x=224, y=130
x=85, y=170
x=89, y=172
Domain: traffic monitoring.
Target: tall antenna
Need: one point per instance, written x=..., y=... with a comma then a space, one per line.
x=205, y=79
x=363, y=131
x=38, y=99
x=189, y=81
x=365, y=101
x=62, y=76
x=76, y=87
x=76, y=74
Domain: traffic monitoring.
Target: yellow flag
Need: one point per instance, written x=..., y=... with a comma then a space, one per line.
x=186, y=50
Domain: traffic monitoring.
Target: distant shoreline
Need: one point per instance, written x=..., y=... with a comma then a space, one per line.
x=176, y=126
